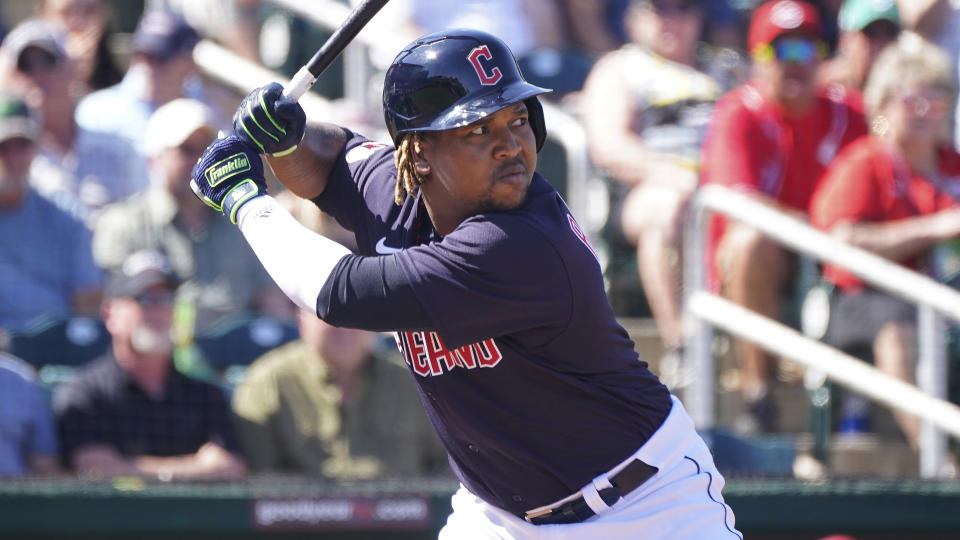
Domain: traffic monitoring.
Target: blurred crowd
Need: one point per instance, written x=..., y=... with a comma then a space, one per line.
x=841, y=113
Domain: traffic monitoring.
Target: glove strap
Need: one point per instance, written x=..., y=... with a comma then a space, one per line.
x=239, y=194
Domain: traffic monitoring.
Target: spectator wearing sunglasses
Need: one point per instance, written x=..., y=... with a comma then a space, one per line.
x=895, y=193
x=130, y=413
x=866, y=28
x=79, y=169
x=772, y=138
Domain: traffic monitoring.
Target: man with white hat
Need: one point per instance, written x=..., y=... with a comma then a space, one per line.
x=220, y=273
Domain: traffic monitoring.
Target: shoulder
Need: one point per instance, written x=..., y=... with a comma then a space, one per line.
x=864, y=150
x=49, y=211
x=139, y=208
x=949, y=161
x=839, y=94
x=744, y=104
x=88, y=383
x=197, y=389
x=17, y=369
x=101, y=102
x=516, y=236
x=286, y=360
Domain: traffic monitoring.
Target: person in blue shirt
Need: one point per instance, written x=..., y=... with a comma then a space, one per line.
x=28, y=441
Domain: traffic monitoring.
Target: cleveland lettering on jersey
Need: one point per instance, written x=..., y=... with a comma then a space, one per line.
x=426, y=354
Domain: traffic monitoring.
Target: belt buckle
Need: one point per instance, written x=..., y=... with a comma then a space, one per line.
x=531, y=515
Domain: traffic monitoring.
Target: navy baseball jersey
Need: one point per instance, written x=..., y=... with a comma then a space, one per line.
x=494, y=320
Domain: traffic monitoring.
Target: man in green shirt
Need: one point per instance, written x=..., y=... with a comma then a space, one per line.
x=331, y=404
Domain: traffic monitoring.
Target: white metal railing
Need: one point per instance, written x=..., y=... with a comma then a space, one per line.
x=707, y=310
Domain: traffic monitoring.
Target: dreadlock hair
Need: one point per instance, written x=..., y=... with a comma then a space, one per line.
x=408, y=179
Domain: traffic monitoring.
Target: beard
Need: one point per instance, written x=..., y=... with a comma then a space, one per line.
x=147, y=341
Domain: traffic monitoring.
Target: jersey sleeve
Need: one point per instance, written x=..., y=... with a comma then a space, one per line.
x=360, y=183
x=479, y=282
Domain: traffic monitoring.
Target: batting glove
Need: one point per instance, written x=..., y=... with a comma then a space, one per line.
x=227, y=175
x=269, y=121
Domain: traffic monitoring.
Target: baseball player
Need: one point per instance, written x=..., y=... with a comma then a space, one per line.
x=552, y=424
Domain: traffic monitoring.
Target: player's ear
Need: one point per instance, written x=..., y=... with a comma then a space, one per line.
x=420, y=161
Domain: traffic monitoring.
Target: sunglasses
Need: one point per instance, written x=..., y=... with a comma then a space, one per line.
x=152, y=299
x=15, y=144
x=798, y=50
x=925, y=103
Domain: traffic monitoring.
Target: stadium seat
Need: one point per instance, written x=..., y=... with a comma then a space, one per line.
x=239, y=341
x=62, y=342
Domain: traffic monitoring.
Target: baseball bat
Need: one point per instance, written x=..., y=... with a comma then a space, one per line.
x=308, y=74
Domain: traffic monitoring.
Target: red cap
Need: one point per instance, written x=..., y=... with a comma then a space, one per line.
x=773, y=19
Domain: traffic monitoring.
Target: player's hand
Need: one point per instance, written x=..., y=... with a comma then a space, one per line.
x=227, y=175
x=269, y=121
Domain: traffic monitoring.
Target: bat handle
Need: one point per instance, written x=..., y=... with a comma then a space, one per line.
x=299, y=84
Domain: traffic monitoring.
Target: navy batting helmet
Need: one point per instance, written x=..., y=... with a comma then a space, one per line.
x=452, y=78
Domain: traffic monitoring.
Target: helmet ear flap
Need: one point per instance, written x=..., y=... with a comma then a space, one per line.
x=539, y=125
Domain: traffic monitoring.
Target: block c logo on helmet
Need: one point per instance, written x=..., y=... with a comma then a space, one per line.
x=486, y=79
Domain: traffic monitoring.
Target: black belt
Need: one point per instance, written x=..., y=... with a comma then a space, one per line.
x=577, y=510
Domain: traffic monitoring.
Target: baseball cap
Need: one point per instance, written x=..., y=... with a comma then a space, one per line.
x=34, y=33
x=16, y=119
x=139, y=272
x=855, y=15
x=163, y=34
x=779, y=17
x=174, y=122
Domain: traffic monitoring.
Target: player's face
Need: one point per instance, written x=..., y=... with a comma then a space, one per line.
x=484, y=166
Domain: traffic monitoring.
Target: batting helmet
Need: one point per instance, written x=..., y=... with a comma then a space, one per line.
x=452, y=78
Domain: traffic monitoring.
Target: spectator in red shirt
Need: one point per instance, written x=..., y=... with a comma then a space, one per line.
x=772, y=138
x=894, y=193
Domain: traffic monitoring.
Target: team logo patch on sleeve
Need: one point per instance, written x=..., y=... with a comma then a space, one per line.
x=578, y=232
x=363, y=151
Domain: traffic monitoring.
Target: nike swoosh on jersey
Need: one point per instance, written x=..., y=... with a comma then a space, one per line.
x=383, y=249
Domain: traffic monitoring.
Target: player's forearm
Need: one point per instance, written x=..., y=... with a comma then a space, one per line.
x=298, y=259
x=306, y=170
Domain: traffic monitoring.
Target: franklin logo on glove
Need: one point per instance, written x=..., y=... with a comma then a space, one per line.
x=230, y=173
x=219, y=172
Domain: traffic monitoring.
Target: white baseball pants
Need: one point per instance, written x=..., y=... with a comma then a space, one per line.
x=682, y=501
